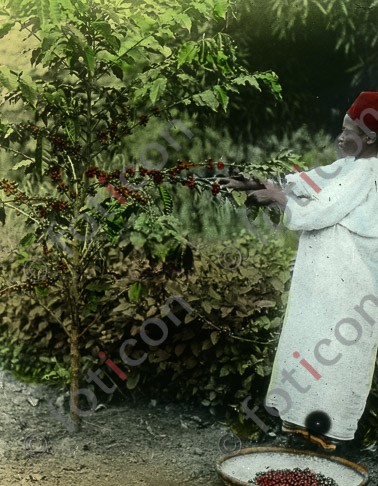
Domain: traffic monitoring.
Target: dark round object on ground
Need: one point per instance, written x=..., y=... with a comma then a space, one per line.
x=318, y=422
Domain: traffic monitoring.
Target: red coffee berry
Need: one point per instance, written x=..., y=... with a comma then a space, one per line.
x=190, y=182
x=143, y=119
x=215, y=188
x=293, y=477
x=91, y=172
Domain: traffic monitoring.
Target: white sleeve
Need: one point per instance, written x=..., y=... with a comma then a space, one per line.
x=333, y=202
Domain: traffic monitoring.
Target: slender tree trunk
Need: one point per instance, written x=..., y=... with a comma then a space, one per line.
x=75, y=375
x=75, y=291
x=74, y=341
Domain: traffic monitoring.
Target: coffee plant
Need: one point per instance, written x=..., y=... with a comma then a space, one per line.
x=101, y=71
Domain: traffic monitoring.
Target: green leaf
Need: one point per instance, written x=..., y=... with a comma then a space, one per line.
x=222, y=96
x=40, y=291
x=74, y=33
x=214, y=337
x=247, y=78
x=97, y=286
x=220, y=9
x=167, y=200
x=277, y=284
x=185, y=21
x=157, y=89
x=27, y=240
x=137, y=240
x=225, y=370
x=105, y=29
x=265, y=303
x=135, y=291
x=23, y=163
x=89, y=58
x=271, y=79
x=55, y=11
x=179, y=349
x=140, y=93
x=206, y=98
x=207, y=344
x=200, y=7
x=132, y=381
x=187, y=53
x=28, y=89
x=206, y=305
x=44, y=12
x=5, y=28
x=8, y=79
x=144, y=22
x=239, y=197
x=72, y=130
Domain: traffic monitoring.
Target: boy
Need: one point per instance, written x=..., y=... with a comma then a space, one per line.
x=325, y=360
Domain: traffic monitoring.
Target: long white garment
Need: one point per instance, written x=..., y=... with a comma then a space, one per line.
x=331, y=320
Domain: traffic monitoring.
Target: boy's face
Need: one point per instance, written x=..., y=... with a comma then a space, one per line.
x=353, y=141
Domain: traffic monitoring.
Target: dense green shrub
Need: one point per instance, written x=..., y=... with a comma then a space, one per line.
x=227, y=340
x=32, y=345
x=219, y=352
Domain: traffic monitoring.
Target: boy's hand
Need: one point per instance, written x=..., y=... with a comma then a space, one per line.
x=239, y=183
x=271, y=194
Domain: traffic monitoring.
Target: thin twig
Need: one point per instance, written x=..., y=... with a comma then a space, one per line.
x=90, y=325
x=50, y=312
x=73, y=172
x=3, y=291
x=21, y=211
x=17, y=152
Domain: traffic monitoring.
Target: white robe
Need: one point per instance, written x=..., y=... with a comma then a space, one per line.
x=336, y=270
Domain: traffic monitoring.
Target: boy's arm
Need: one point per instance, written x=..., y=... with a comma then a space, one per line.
x=272, y=194
x=240, y=183
x=263, y=193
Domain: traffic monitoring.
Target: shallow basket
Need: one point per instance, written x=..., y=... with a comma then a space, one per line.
x=237, y=468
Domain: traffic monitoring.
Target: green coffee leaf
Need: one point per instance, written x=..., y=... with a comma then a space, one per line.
x=206, y=98
x=6, y=27
x=247, y=78
x=23, y=164
x=8, y=78
x=135, y=291
x=220, y=9
x=132, y=381
x=89, y=58
x=185, y=21
x=27, y=240
x=157, y=89
x=28, y=89
x=187, y=53
x=222, y=96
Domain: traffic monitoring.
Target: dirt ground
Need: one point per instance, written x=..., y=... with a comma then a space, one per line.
x=138, y=444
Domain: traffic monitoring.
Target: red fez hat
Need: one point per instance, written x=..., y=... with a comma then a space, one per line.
x=364, y=111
